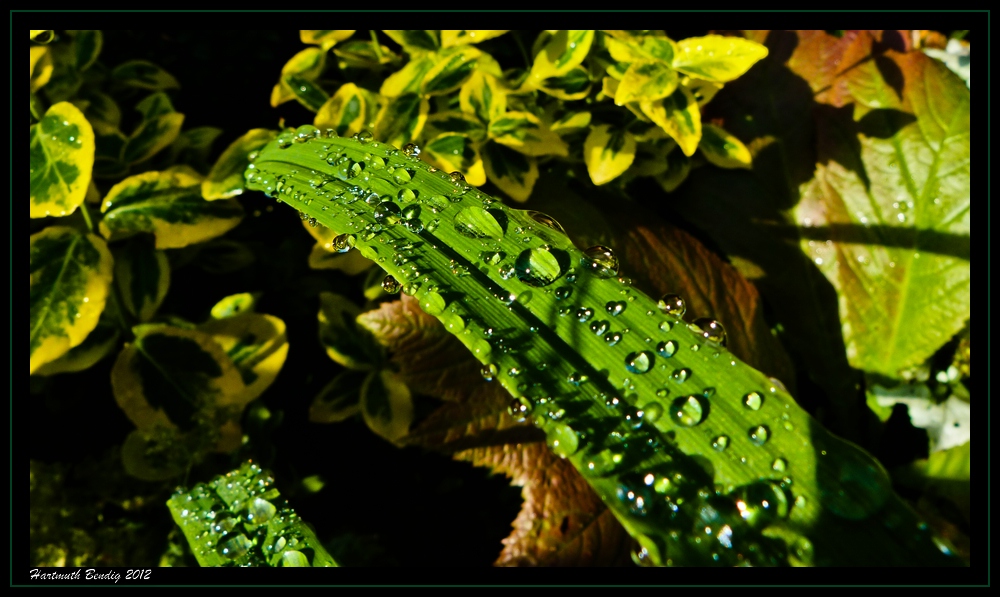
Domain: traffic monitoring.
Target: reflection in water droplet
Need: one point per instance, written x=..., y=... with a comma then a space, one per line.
x=762, y=503
x=710, y=330
x=391, y=285
x=779, y=465
x=639, y=362
x=653, y=411
x=759, y=435
x=672, y=304
x=599, y=327
x=753, y=401
x=666, y=349
x=612, y=338
x=489, y=372
x=233, y=545
x=537, y=267
x=476, y=222
x=720, y=443
x=680, y=375
x=689, y=410
x=615, y=308
x=601, y=261
x=584, y=314
x=546, y=220
x=517, y=409
x=294, y=558
x=343, y=243
x=411, y=150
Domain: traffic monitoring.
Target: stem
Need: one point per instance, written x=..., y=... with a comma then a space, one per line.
x=376, y=45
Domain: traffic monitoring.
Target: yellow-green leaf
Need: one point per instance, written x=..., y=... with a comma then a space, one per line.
x=678, y=168
x=406, y=79
x=414, y=41
x=679, y=116
x=42, y=36
x=387, y=405
x=573, y=85
x=456, y=152
x=155, y=456
x=351, y=263
x=339, y=400
x=70, y=278
x=152, y=136
x=225, y=179
x=144, y=75
x=571, y=122
x=642, y=48
x=235, y=304
x=41, y=67
x=324, y=38
x=347, y=111
x=155, y=104
x=345, y=342
x=85, y=355
x=307, y=64
x=483, y=96
x=608, y=152
x=702, y=90
x=717, y=58
x=102, y=112
x=526, y=133
x=451, y=68
x=722, y=149
x=62, y=161
x=169, y=205
x=512, y=172
x=454, y=121
x=363, y=54
x=177, y=378
x=562, y=52
x=306, y=92
x=257, y=345
x=142, y=273
x=88, y=44
x=646, y=81
x=402, y=119
x=455, y=37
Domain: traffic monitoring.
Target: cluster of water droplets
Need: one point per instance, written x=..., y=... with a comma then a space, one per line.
x=241, y=517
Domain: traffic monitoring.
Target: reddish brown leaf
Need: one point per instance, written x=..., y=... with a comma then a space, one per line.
x=562, y=521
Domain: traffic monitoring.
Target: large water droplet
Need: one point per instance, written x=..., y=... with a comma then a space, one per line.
x=710, y=330
x=599, y=327
x=476, y=222
x=753, y=401
x=615, y=308
x=387, y=213
x=689, y=411
x=601, y=261
x=364, y=137
x=343, y=243
x=612, y=338
x=681, y=375
x=518, y=409
x=260, y=511
x=391, y=285
x=294, y=558
x=720, y=443
x=537, y=267
x=666, y=349
x=233, y=545
x=411, y=150
x=639, y=362
x=653, y=411
x=489, y=372
x=760, y=504
x=563, y=440
x=584, y=314
x=432, y=303
x=759, y=435
x=672, y=304
x=546, y=220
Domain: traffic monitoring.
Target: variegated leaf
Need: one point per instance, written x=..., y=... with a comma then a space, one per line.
x=70, y=278
x=257, y=345
x=407, y=79
x=562, y=52
x=402, y=120
x=307, y=64
x=41, y=67
x=573, y=85
x=339, y=400
x=717, y=58
x=513, y=173
x=169, y=205
x=415, y=40
x=646, y=80
x=325, y=38
x=608, y=152
x=456, y=152
x=679, y=116
x=455, y=37
x=144, y=75
x=62, y=161
x=451, y=68
x=526, y=133
x=348, y=111
x=150, y=137
x=387, y=405
x=346, y=343
x=98, y=344
x=484, y=96
x=722, y=149
x=142, y=273
x=225, y=179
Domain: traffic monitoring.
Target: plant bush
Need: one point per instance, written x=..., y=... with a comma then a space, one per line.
x=808, y=190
